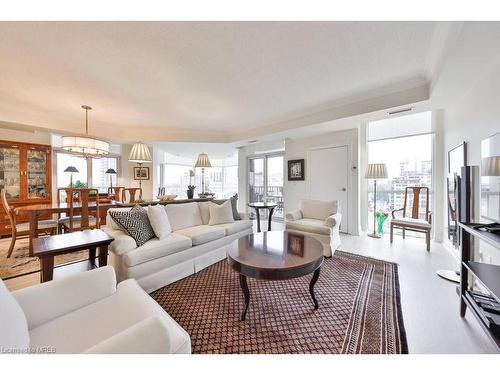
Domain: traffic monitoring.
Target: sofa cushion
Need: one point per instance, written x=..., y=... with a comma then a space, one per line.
x=13, y=324
x=234, y=205
x=220, y=214
x=204, y=212
x=135, y=223
x=81, y=329
x=202, y=233
x=159, y=221
x=309, y=225
x=235, y=227
x=315, y=209
x=184, y=215
x=157, y=248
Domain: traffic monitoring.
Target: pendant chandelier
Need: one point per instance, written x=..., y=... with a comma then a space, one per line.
x=85, y=146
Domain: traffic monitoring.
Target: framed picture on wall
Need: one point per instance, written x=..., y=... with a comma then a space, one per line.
x=141, y=173
x=296, y=170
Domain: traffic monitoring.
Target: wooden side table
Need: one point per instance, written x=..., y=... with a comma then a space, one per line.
x=269, y=206
x=46, y=248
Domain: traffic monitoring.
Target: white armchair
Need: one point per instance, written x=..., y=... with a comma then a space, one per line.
x=318, y=219
x=87, y=313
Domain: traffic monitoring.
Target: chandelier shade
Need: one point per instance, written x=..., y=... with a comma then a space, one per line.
x=140, y=154
x=87, y=147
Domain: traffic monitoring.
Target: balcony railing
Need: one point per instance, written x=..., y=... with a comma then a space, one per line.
x=273, y=193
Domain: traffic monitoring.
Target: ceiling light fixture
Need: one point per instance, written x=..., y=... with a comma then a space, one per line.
x=86, y=147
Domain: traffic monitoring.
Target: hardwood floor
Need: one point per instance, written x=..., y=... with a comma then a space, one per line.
x=430, y=304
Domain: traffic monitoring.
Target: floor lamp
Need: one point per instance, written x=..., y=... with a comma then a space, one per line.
x=202, y=162
x=111, y=172
x=71, y=170
x=140, y=154
x=375, y=172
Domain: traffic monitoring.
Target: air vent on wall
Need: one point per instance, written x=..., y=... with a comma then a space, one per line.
x=252, y=141
x=399, y=111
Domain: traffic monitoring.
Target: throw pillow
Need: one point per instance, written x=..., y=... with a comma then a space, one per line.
x=221, y=214
x=234, y=205
x=159, y=221
x=204, y=212
x=135, y=223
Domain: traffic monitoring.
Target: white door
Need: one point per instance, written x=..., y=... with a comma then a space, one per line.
x=328, y=178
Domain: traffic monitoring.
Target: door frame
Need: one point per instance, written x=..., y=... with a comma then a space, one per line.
x=265, y=156
x=345, y=219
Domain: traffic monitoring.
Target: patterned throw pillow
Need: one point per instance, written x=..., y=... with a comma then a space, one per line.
x=135, y=223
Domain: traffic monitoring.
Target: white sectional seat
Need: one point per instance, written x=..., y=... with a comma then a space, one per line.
x=191, y=246
x=202, y=233
x=88, y=313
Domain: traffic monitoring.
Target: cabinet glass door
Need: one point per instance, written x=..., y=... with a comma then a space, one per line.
x=10, y=176
x=36, y=173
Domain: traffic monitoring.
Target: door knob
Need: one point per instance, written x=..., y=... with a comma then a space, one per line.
x=344, y=189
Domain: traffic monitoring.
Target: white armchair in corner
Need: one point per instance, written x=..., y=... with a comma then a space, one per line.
x=87, y=313
x=318, y=219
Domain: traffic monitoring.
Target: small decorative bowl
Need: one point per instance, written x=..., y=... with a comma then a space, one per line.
x=169, y=197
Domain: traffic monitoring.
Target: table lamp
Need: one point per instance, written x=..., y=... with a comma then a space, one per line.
x=202, y=162
x=375, y=172
x=71, y=170
x=140, y=154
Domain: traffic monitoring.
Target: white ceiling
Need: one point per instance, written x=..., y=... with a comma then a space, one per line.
x=202, y=81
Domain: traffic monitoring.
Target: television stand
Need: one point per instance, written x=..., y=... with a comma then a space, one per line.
x=484, y=306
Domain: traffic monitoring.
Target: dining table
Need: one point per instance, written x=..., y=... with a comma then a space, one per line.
x=35, y=211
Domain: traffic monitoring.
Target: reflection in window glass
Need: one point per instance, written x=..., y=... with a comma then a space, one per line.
x=64, y=161
x=101, y=180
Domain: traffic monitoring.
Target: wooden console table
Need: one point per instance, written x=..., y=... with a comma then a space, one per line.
x=46, y=248
x=487, y=274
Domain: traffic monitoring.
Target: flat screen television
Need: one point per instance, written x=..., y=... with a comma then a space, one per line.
x=490, y=178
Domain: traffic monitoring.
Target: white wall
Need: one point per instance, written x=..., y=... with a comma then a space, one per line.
x=298, y=148
x=473, y=118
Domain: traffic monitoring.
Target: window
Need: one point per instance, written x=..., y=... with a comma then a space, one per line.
x=65, y=160
x=101, y=180
x=409, y=160
x=176, y=179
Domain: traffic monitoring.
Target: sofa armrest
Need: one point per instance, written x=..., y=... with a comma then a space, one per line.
x=122, y=244
x=44, y=302
x=333, y=220
x=146, y=337
x=294, y=215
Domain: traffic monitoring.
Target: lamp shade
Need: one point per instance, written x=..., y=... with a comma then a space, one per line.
x=140, y=154
x=71, y=169
x=490, y=166
x=202, y=161
x=110, y=171
x=376, y=171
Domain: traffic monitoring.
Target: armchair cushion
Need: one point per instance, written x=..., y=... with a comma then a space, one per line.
x=294, y=215
x=309, y=225
x=42, y=303
x=413, y=222
x=315, y=209
x=13, y=324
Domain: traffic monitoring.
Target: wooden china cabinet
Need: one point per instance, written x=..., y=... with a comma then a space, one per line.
x=25, y=174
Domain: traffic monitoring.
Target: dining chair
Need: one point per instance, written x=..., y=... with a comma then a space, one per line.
x=84, y=220
x=415, y=222
x=131, y=194
x=22, y=230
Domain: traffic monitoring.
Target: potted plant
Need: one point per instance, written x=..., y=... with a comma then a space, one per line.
x=190, y=191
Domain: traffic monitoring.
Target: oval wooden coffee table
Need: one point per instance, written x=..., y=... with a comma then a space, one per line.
x=276, y=255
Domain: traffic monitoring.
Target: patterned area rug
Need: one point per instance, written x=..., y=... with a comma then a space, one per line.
x=360, y=310
x=21, y=263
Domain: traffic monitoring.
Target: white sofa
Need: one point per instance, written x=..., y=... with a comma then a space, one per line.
x=318, y=219
x=87, y=313
x=192, y=246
